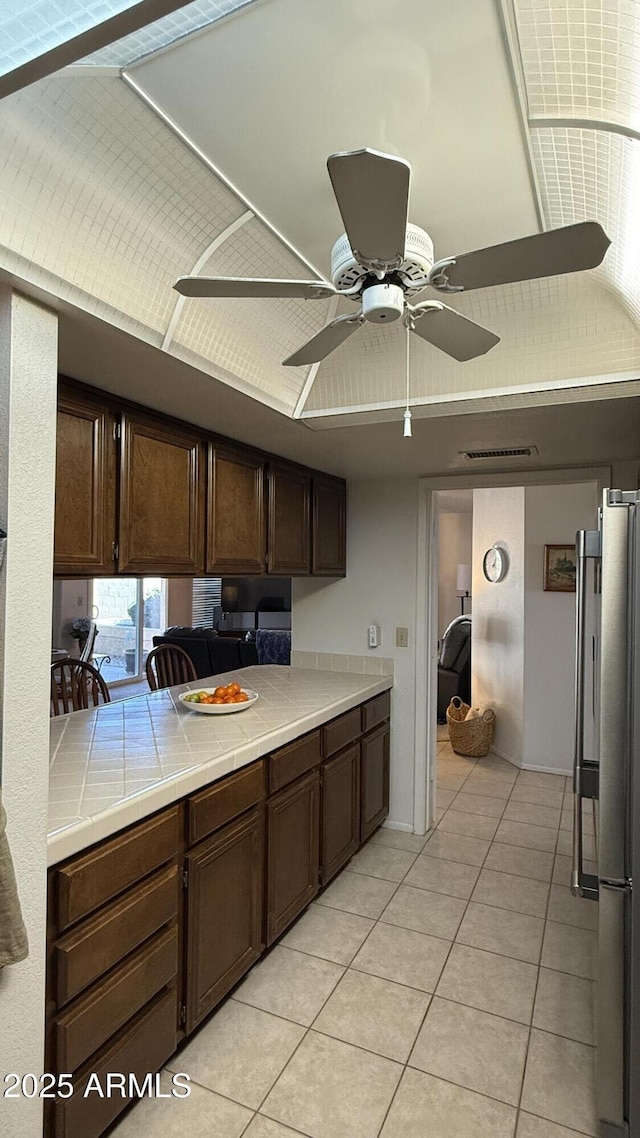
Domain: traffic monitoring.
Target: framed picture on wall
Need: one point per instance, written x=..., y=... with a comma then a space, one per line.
x=560, y=568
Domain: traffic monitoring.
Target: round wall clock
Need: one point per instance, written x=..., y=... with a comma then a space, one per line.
x=495, y=564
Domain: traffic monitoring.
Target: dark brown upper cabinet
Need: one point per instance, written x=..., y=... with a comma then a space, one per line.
x=161, y=498
x=328, y=551
x=236, y=522
x=289, y=532
x=85, y=512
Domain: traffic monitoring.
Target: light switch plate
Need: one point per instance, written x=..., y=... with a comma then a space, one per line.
x=375, y=637
x=402, y=637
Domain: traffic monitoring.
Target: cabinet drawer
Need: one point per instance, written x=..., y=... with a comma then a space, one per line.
x=290, y=762
x=376, y=711
x=224, y=801
x=143, y=1046
x=344, y=730
x=95, y=1017
x=94, y=878
x=90, y=950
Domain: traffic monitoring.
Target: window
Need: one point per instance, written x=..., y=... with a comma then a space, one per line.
x=206, y=597
x=129, y=612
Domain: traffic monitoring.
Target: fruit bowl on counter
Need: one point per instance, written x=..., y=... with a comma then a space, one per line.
x=220, y=700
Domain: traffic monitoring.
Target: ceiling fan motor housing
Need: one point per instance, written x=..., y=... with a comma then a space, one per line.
x=418, y=260
x=382, y=303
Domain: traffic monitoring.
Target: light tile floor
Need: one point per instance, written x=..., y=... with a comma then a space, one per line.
x=438, y=986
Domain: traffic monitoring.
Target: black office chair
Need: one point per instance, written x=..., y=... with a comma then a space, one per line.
x=454, y=665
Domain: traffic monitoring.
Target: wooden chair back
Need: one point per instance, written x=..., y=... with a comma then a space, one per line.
x=87, y=647
x=168, y=665
x=75, y=686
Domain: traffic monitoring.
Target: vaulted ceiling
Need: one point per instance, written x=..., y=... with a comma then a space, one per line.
x=198, y=145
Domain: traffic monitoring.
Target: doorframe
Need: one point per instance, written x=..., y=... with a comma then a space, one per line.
x=427, y=605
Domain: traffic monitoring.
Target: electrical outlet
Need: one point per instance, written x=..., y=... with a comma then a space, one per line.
x=80, y=602
x=402, y=637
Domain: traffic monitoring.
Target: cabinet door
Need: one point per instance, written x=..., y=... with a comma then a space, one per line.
x=224, y=912
x=161, y=499
x=288, y=540
x=236, y=531
x=292, y=852
x=340, y=811
x=328, y=551
x=85, y=515
x=374, y=780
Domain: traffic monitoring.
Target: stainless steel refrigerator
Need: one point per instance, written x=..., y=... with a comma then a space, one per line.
x=607, y=780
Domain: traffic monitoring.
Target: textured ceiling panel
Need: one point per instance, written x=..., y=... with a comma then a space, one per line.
x=163, y=32
x=551, y=330
x=595, y=174
x=94, y=189
x=28, y=28
x=251, y=337
x=581, y=57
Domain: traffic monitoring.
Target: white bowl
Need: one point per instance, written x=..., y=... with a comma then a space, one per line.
x=217, y=708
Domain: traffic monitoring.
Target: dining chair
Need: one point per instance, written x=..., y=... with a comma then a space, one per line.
x=87, y=645
x=76, y=686
x=168, y=665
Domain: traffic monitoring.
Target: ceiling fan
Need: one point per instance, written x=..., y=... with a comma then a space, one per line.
x=382, y=260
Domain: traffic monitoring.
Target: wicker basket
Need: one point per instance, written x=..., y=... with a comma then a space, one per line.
x=472, y=737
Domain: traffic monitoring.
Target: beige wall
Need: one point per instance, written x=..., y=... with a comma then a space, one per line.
x=454, y=548
x=380, y=588
x=179, y=601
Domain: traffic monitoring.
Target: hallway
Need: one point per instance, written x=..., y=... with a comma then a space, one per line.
x=439, y=986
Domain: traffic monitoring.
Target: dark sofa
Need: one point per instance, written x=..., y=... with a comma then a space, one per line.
x=210, y=653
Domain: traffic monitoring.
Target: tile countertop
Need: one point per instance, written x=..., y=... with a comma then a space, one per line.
x=116, y=764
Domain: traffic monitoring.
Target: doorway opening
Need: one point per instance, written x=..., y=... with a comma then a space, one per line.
x=520, y=655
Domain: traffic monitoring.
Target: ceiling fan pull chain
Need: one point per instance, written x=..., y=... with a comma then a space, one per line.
x=407, y=414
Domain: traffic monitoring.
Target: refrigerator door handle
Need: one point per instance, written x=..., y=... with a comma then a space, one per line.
x=587, y=545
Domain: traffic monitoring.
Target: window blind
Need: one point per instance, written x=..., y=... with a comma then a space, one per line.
x=206, y=594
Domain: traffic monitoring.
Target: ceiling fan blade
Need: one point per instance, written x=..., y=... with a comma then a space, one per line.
x=452, y=332
x=252, y=287
x=326, y=341
x=566, y=250
x=372, y=191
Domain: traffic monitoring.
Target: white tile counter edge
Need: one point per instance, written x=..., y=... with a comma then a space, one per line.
x=69, y=764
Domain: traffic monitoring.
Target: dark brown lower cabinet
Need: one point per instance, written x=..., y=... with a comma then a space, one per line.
x=142, y=1047
x=293, y=862
x=340, y=810
x=139, y=952
x=224, y=912
x=375, y=780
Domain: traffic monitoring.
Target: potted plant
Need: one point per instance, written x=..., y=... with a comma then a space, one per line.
x=79, y=630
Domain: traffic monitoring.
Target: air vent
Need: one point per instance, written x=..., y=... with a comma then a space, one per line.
x=502, y=452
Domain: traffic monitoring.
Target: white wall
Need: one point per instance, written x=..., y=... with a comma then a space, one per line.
x=552, y=516
x=524, y=638
x=28, y=376
x=497, y=653
x=380, y=588
x=455, y=540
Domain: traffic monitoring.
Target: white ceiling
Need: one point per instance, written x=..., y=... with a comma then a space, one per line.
x=111, y=186
x=269, y=93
